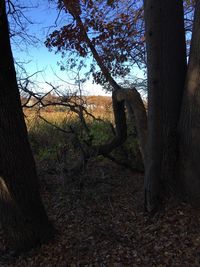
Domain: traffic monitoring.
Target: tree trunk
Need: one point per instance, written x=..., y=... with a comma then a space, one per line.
x=190, y=122
x=166, y=64
x=134, y=101
x=22, y=214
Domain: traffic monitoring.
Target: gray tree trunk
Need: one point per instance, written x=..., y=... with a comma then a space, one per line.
x=134, y=102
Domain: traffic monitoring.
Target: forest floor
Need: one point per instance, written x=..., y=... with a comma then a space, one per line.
x=100, y=222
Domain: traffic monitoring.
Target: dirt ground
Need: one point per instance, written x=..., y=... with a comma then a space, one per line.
x=100, y=222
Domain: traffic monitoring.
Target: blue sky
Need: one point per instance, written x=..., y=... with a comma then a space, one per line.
x=43, y=15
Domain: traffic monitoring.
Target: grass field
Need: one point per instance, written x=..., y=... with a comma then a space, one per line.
x=54, y=134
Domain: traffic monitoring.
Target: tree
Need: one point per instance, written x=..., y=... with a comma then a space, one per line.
x=76, y=34
x=189, y=121
x=116, y=30
x=22, y=214
x=170, y=105
x=166, y=64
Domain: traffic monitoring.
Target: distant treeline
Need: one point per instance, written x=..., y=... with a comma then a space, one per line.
x=92, y=103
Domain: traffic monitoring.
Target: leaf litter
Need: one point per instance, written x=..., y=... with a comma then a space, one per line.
x=100, y=221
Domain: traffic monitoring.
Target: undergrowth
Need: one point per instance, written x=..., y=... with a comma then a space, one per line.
x=53, y=146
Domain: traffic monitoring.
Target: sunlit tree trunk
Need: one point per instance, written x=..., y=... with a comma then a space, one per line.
x=22, y=214
x=190, y=119
x=166, y=65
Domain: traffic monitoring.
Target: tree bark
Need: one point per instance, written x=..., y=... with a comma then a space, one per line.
x=133, y=99
x=166, y=65
x=189, y=121
x=22, y=214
